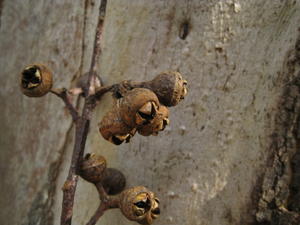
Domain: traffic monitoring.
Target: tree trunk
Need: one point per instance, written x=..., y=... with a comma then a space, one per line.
x=231, y=153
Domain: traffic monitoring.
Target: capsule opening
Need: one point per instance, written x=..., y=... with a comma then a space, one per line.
x=31, y=77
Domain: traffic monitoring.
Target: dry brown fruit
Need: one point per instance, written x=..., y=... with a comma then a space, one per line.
x=159, y=123
x=113, y=128
x=139, y=204
x=169, y=87
x=36, y=80
x=138, y=107
x=92, y=168
x=113, y=181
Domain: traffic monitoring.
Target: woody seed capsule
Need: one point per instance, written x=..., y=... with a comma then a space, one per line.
x=139, y=204
x=36, y=80
x=92, y=168
x=138, y=106
x=114, y=129
x=169, y=87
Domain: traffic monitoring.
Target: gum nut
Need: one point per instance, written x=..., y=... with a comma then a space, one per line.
x=159, y=123
x=138, y=106
x=36, y=80
x=92, y=168
x=114, y=130
x=140, y=205
x=113, y=181
x=169, y=87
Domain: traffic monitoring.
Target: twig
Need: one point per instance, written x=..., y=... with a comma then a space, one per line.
x=97, y=49
x=82, y=128
x=102, y=194
x=107, y=202
x=101, y=91
x=120, y=88
x=99, y=212
x=62, y=93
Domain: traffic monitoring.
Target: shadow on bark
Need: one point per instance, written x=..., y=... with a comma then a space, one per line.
x=279, y=202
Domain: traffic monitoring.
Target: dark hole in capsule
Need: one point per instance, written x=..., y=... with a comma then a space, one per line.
x=116, y=140
x=118, y=95
x=146, y=116
x=165, y=123
x=156, y=211
x=141, y=204
x=87, y=156
x=29, y=77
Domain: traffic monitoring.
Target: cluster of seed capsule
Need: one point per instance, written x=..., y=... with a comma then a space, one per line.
x=136, y=203
x=143, y=109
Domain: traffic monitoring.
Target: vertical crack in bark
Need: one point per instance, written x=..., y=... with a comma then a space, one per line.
x=279, y=203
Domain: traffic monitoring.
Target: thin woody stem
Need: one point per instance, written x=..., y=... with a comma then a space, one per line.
x=82, y=128
x=102, y=194
x=107, y=202
x=62, y=93
x=99, y=212
x=97, y=48
x=120, y=88
x=101, y=91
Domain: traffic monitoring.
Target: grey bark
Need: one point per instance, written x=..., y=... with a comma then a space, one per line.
x=231, y=153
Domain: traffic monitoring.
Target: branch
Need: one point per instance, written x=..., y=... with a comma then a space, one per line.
x=82, y=128
x=101, y=91
x=107, y=202
x=69, y=188
x=97, y=49
x=118, y=89
x=99, y=212
x=62, y=93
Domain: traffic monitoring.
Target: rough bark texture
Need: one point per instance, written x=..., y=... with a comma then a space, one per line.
x=231, y=154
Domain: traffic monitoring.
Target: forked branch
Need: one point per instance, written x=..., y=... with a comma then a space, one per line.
x=107, y=202
x=63, y=94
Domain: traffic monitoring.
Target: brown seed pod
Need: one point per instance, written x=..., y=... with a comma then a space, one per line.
x=139, y=106
x=36, y=80
x=113, y=181
x=169, y=87
x=92, y=168
x=159, y=123
x=113, y=128
x=139, y=204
